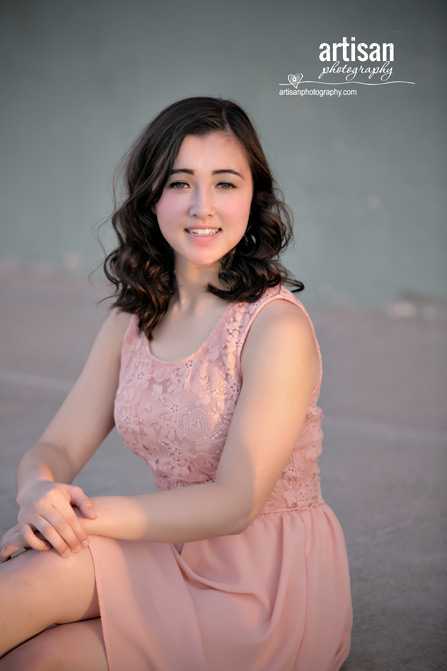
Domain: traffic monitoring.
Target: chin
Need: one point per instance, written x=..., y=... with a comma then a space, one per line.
x=207, y=263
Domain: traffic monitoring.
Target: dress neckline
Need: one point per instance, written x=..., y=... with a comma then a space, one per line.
x=197, y=351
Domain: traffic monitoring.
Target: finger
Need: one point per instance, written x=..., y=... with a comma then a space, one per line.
x=62, y=522
x=40, y=537
x=81, y=501
x=32, y=540
x=13, y=542
x=9, y=543
x=76, y=525
x=56, y=527
x=49, y=533
x=68, y=526
x=7, y=550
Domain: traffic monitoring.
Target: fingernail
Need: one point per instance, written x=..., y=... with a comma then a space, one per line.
x=84, y=544
x=67, y=553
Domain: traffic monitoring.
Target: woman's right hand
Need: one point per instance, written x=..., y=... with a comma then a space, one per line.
x=46, y=508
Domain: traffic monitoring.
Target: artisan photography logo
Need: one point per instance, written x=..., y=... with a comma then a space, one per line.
x=347, y=62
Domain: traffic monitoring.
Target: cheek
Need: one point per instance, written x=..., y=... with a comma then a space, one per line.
x=239, y=209
x=167, y=209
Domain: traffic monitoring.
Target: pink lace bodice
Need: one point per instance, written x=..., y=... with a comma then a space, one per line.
x=176, y=414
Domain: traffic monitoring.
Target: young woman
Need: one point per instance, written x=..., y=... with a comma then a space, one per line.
x=210, y=370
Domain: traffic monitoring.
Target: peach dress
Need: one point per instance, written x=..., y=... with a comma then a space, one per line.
x=275, y=597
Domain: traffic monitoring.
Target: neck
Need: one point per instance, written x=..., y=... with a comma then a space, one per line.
x=191, y=285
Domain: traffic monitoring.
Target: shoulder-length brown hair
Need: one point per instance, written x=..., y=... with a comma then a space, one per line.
x=141, y=268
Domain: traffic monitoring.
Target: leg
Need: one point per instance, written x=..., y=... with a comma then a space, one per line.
x=68, y=647
x=39, y=589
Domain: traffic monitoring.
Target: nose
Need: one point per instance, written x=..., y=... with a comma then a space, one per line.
x=201, y=205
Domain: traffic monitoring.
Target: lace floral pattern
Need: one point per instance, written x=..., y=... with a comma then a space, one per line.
x=176, y=415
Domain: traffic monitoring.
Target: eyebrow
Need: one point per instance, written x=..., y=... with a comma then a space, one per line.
x=215, y=172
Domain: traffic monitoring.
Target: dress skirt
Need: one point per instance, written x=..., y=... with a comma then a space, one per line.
x=275, y=597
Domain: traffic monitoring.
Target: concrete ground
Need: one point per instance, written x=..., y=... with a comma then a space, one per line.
x=383, y=468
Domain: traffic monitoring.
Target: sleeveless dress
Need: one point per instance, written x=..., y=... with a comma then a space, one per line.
x=275, y=597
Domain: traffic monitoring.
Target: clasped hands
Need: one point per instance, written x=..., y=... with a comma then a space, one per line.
x=49, y=517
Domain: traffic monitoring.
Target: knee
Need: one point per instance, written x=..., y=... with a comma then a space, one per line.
x=45, y=565
x=37, y=567
x=39, y=576
x=26, y=573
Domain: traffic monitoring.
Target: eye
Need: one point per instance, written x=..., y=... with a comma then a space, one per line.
x=175, y=185
x=225, y=186
x=228, y=185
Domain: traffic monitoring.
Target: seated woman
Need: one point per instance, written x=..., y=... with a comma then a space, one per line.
x=210, y=369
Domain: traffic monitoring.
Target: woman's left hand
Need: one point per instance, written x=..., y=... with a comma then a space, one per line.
x=12, y=541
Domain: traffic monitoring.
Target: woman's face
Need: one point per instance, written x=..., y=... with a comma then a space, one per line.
x=204, y=208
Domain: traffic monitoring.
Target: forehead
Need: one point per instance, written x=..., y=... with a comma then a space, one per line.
x=211, y=150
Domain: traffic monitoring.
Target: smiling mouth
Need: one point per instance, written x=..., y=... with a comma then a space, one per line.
x=203, y=231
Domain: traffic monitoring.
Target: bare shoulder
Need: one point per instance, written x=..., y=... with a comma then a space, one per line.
x=282, y=320
x=117, y=322
x=111, y=334
x=282, y=333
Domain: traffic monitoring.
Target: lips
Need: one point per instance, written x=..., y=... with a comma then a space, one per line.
x=203, y=231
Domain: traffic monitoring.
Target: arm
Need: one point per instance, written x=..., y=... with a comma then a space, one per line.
x=280, y=369
x=45, y=497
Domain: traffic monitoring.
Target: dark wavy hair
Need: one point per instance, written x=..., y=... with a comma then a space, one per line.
x=141, y=268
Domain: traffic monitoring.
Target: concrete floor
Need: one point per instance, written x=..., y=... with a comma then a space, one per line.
x=383, y=468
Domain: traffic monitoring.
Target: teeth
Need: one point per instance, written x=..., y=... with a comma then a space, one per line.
x=202, y=231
